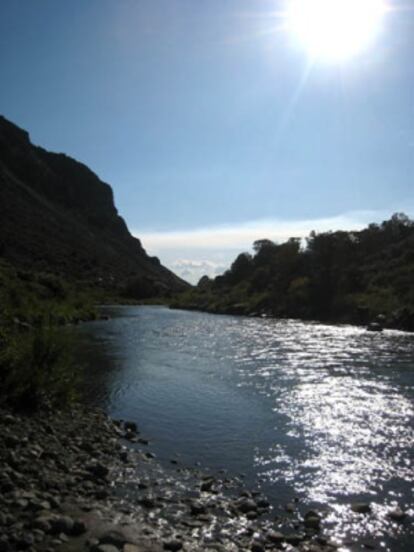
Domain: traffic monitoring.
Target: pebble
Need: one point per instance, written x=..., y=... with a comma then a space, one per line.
x=290, y=507
x=131, y=426
x=65, y=479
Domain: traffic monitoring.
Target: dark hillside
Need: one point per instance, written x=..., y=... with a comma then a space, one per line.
x=57, y=216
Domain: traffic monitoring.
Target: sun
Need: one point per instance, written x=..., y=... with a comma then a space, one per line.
x=335, y=30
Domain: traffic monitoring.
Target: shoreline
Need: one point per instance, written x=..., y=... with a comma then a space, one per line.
x=270, y=316
x=74, y=480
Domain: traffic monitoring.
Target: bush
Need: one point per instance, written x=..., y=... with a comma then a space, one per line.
x=36, y=366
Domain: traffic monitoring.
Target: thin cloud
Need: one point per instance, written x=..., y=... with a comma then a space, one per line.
x=211, y=250
x=241, y=236
x=192, y=270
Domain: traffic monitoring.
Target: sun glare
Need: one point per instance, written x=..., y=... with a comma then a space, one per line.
x=335, y=30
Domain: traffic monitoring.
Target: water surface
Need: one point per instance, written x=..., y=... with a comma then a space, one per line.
x=317, y=412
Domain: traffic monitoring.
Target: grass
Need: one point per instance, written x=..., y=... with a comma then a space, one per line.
x=36, y=363
x=36, y=367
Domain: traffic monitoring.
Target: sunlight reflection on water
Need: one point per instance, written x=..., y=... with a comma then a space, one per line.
x=326, y=411
x=341, y=401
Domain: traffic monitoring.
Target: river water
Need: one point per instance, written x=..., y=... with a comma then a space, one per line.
x=322, y=414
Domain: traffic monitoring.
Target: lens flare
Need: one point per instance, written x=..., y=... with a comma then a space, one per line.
x=334, y=30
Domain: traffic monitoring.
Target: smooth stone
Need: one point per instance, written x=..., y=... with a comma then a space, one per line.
x=247, y=505
x=101, y=494
x=312, y=513
x=290, y=508
x=63, y=524
x=105, y=548
x=361, y=507
x=397, y=514
x=25, y=541
x=130, y=548
x=207, y=485
x=173, y=545
x=39, y=505
x=124, y=457
x=147, y=502
x=263, y=503
x=294, y=539
x=312, y=520
x=276, y=537
x=79, y=527
x=197, y=508
x=115, y=537
x=43, y=523
x=21, y=503
x=39, y=535
x=131, y=426
x=98, y=470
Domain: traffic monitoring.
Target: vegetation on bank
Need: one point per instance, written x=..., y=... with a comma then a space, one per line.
x=342, y=276
x=35, y=359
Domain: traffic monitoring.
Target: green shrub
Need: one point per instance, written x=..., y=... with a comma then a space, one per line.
x=36, y=366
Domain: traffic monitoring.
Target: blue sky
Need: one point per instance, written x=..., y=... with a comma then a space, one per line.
x=208, y=120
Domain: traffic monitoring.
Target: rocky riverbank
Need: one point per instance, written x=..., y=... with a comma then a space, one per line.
x=77, y=480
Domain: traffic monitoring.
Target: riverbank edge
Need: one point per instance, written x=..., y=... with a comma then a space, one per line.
x=235, y=311
x=60, y=480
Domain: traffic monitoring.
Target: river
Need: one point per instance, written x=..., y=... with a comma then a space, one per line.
x=318, y=414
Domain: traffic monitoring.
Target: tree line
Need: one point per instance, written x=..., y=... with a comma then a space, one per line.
x=350, y=276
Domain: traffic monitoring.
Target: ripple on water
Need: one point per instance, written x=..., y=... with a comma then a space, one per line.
x=326, y=411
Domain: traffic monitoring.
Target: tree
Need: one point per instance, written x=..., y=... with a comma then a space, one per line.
x=241, y=268
x=265, y=251
x=258, y=245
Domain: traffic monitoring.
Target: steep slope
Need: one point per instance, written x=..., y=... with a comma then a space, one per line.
x=57, y=215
